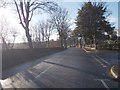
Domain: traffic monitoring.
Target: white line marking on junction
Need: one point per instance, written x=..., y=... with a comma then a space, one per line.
x=99, y=60
x=102, y=79
x=103, y=60
x=105, y=85
x=103, y=82
x=44, y=71
x=103, y=65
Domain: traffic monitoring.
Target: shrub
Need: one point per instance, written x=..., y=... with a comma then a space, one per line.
x=113, y=46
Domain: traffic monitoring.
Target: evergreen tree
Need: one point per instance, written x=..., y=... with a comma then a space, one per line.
x=91, y=22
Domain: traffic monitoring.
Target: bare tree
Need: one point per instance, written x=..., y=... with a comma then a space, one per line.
x=7, y=34
x=42, y=31
x=26, y=9
x=35, y=32
x=61, y=21
x=14, y=34
x=49, y=27
x=2, y=3
x=24, y=39
x=4, y=26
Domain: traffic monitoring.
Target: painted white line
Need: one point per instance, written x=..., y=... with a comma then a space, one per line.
x=97, y=60
x=103, y=60
x=113, y=72
x=103, y=82
x=105, y=85
x=103, y=65
x=102, y=79
x=44, y=71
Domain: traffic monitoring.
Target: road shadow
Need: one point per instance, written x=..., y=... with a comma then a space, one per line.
x=81, y=70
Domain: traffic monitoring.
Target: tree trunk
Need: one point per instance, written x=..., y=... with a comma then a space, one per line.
x=80, y=43
x=5, y=46
x=65, y=43
x=94, y=41
x=61, y=42
x=29, y=38
x=13, y=43
x=48, y=43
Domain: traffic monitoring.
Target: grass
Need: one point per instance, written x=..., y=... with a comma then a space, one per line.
x=13, y=57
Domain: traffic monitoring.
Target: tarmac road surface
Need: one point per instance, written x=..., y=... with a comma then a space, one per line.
x=72, y=68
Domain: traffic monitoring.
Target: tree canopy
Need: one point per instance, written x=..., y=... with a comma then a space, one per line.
x=92, y=23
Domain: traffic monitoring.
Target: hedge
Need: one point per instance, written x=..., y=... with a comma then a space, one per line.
x=113, y=46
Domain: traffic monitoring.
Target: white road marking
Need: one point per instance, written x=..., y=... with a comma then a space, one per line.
x=44, y=71
x=103, y=65
x=103, y=82
x=103, y=60
x=105, y=85
x=102, y=79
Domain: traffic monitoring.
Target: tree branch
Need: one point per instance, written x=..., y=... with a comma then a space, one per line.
x=22, y=10
x=31, y=16
x=19, y=14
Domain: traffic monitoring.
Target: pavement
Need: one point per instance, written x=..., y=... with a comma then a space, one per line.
x=72, y=68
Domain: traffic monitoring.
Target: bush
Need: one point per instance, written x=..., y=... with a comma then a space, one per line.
x=113, y=46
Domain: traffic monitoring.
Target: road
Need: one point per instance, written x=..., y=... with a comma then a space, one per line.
x=111, y=57
x=72, y=68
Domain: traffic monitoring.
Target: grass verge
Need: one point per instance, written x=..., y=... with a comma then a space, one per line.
x=11, y=58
